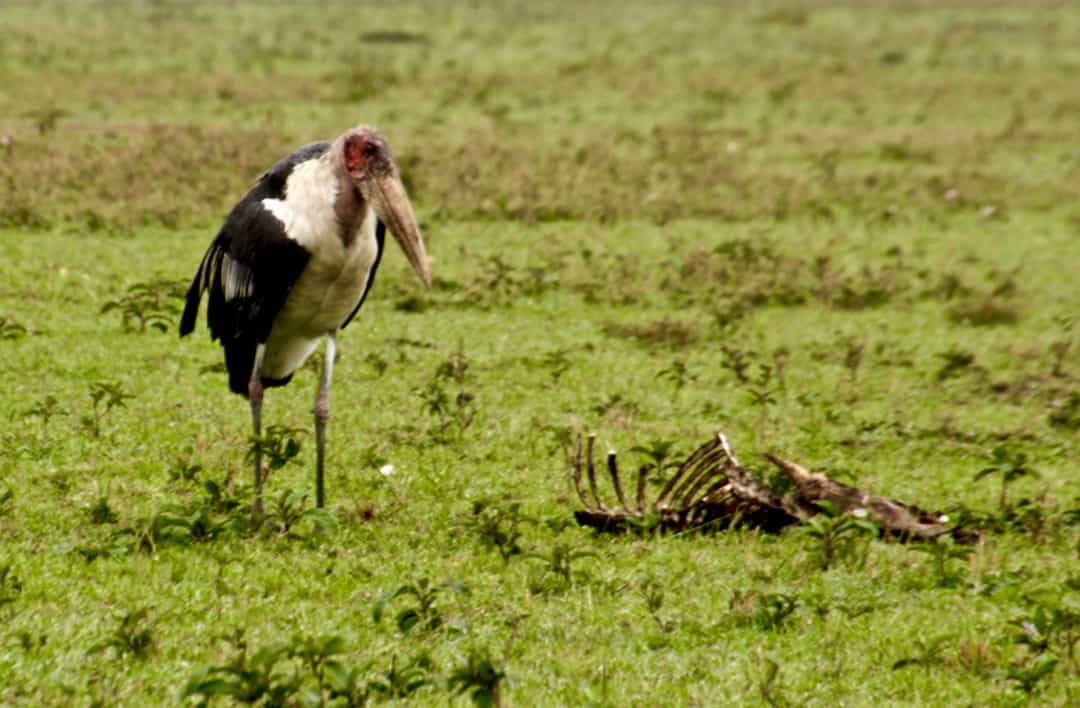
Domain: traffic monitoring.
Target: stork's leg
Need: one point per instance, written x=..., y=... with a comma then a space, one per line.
x=255, y=396
x=322, y=414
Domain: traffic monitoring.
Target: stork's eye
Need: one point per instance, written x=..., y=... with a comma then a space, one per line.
x=357, y=152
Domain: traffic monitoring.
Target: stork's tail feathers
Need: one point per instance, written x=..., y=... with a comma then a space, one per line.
x=191, y=308
x=199, y=283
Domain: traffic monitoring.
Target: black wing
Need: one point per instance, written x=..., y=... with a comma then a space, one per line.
x=249, y=269
x=380, y=239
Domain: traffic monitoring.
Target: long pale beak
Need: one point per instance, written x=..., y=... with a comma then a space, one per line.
x=391, y=203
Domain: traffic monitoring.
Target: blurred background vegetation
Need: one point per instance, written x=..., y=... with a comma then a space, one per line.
x=125, y=114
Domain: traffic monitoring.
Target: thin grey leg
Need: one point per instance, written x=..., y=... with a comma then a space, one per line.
x=255, y=396
x=322, y=414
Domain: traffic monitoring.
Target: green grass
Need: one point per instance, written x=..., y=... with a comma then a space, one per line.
x=878, y=203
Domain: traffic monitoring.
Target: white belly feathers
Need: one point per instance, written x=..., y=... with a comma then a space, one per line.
x=335, y=277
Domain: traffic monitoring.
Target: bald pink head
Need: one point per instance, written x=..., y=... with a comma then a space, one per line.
x=370, y=165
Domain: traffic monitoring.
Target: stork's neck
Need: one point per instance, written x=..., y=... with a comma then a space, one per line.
x=350, y=207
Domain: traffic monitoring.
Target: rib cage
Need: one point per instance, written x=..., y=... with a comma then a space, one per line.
x=711, y=489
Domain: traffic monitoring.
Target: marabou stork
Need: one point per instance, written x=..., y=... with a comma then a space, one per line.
x=293, y=263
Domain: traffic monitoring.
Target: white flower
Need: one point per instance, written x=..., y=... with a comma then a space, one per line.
x=386, y=470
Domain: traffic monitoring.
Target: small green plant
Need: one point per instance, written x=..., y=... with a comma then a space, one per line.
x=616, y=405
x=768, y=681
x=1029, y=517
x=153, y=304
x=11, y=329
x=955, y=362
x=780, y=356
x=90, y=552
x=664, y=333
x=7, y=500
x=481, y=677
x=279, y=445
x=1028, y=676
x=246, y=677
x=371, y=458
x=346, y=685
x=10, y=585
x=766, y=611
x=306, y=670
x=105, y=396
x=1051, y=622
x=100, y=512
x=1060, y=348
x=853, y=358
x=377, y=362
x=424, y=615
x=144, y=534
x=928, y=653
x=762, y=393
x=1066, y=412
x=455, y=367
x=737, y=362
x=220, y=496
x=652, y=593
x=45, y=118
x=464, y=411
x=497, y=527
x=133, y=635
x=835, y=535
x=942, y=553
x=30, y=642
x=214, y=515
x=402, y=681
x=773, y=609
x=316, y=654
x=1010, y=464
x=660, y=454
x=435, y=400
x=290, y=510
x=983, y=312
x=678, y=374
x=556, y=571
x=286, y=512
x=558, y=363
x=45, y=409
x=457, y=413
x=185, y=468
x=499, y=279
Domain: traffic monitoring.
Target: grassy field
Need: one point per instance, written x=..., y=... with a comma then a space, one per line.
x=845, y=233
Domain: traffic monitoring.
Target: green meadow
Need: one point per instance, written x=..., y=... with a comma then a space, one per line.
x=844, y=233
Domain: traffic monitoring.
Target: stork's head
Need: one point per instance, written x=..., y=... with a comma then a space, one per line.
x=371, y=168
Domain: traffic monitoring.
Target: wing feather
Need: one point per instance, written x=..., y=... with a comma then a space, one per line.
x=249, y=270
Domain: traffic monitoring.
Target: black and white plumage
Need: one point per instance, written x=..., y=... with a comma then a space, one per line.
x=293, y=263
